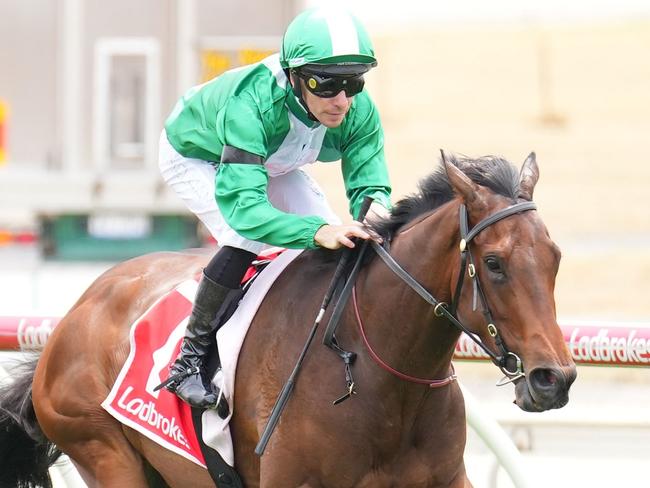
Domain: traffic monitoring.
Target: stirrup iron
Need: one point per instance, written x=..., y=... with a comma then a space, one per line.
x=177, y=378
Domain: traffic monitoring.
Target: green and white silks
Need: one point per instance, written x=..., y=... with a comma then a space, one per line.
x=253, y=109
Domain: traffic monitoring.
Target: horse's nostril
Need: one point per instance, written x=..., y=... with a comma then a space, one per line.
x=545, y=378
x=550, y=378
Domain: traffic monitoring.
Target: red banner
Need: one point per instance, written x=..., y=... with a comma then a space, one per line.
x=604, y=344
x=25, y=333
x=589, y=342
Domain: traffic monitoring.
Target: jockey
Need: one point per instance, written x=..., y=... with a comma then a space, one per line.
x=233, y=148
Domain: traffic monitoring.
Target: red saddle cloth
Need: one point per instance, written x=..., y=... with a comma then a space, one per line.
x=155, y=342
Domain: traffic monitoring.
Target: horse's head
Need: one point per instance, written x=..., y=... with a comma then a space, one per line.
x=515, y=263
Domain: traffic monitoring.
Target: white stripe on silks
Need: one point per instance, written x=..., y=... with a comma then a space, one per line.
x=342, y=31
x=272, y=62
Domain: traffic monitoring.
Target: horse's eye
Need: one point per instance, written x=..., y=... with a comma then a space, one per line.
x=493, y=264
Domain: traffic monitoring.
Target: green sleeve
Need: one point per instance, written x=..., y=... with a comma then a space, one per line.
x=243, y=201
x=241, y=189
x=363, y=162
x=242, y=126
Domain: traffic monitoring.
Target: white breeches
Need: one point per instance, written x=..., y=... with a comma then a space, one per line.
x=194, y=180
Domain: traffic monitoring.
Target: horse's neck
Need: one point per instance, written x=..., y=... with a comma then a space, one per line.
x=410, y=334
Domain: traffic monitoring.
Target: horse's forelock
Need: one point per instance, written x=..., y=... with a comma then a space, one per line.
x=493, y=172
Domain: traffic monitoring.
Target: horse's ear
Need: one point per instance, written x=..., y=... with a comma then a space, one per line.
x=528, y=177
x=459, y=181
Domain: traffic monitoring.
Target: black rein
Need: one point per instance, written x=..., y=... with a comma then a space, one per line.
x=442, y=309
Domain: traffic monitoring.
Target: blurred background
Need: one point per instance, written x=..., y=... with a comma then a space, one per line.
x=85, y=86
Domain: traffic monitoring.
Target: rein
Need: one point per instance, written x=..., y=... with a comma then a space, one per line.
x=441, y=309
x=393, y=371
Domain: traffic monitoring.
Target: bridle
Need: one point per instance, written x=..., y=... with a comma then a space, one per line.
x=509, y=363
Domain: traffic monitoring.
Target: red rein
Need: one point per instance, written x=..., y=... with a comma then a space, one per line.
x=431, y=383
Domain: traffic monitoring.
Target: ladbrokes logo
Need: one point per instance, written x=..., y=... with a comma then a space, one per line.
x=146, y=412
x=467, y=349
x=610, y=346
x=33, y=336
x=588, y=344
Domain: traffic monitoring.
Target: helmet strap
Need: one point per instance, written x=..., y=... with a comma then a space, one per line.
x=294, y=79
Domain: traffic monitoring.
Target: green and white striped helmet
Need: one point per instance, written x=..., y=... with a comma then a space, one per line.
x=326, y=36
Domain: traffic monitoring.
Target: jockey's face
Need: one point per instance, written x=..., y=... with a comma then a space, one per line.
x=329, y=111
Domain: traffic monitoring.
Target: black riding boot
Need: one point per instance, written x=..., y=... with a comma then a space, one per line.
x=218, y=288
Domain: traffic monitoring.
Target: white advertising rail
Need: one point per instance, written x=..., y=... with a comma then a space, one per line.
x=590, y=343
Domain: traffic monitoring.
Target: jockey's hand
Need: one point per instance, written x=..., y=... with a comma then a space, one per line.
x=337, y=236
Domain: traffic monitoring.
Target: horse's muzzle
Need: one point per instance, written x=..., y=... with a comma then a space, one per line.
x=545, y=388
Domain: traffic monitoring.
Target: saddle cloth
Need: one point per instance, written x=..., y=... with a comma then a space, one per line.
x=155, y=340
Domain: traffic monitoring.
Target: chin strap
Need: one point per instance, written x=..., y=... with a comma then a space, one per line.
x=297, y=91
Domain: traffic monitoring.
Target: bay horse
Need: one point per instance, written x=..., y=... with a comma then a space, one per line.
x=393, y=432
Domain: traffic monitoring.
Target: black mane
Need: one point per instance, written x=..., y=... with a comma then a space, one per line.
x=493, y=172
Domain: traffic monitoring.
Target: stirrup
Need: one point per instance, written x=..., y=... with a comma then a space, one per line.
x=177, y=378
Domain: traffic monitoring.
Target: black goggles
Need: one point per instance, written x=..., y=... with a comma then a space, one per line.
x=326, y=86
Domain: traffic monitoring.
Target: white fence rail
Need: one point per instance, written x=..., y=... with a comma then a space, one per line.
x=594, y=343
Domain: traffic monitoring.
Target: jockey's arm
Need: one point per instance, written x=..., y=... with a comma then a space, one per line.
x=248, y=211
x=363, y=162
x=241, y=189
x=241, y=185
x=242, y=198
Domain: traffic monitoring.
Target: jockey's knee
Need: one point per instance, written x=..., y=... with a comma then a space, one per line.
x=229, y=265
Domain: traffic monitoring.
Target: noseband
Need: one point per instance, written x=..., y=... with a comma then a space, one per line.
x=509, y=363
